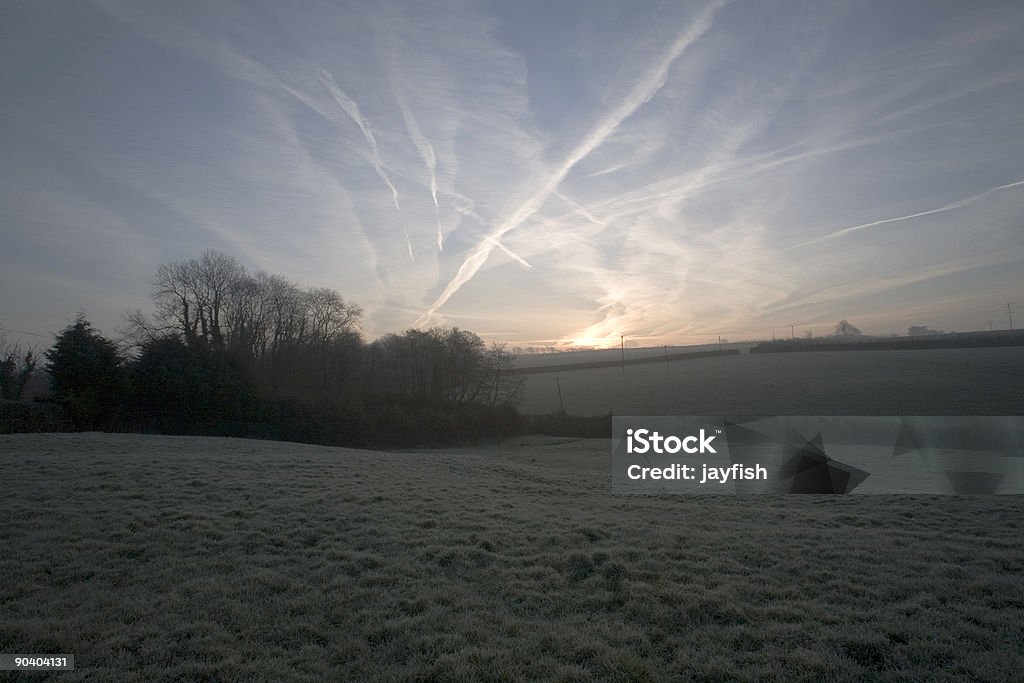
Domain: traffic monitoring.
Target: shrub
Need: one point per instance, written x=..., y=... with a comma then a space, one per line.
x=181, y=389
x=29, y=416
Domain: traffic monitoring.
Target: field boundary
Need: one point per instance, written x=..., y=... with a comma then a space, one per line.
x=590, y=365
x=965, y=340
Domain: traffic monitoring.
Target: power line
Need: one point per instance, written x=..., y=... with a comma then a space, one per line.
x=18, y=322
x=31, y=334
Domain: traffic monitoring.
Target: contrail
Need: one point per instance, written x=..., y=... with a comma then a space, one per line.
x=640, y=94
x=580, y=209
x=467, y=210
x=426, y=151
x=408, y=243
x=959, y=204
x=349, y=106
x=508, y=252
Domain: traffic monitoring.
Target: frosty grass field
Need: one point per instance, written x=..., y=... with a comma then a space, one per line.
x=180, y=558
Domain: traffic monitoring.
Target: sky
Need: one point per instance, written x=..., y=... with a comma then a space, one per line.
x=542, y=173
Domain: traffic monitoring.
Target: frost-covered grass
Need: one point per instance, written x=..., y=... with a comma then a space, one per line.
x=177, y=558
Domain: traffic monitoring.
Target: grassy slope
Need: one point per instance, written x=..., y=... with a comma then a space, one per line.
x=922, y=382
x=193, y=558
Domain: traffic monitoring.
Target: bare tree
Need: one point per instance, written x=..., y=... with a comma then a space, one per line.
x=175, y=306
x=192, y=297
x=246, y=318
x=293, y=341
x=214, y=277
x=500, y=386
x=16, y=367
x=330, y=319
x=444, y=364
x=845, y=328
x=462, y=363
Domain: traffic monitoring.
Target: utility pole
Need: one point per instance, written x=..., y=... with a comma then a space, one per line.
x=1009, y=312
x=792, y=331
x=668, y=370
x=719, y=342
x=560, y=404
x=622, y=342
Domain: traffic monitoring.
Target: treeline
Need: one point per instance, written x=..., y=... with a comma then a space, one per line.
x=232, y=353
x=947, y=340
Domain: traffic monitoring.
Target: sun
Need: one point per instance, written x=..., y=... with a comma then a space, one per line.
x=594, y=342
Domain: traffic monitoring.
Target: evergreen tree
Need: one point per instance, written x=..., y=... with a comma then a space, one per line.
x=86, y=374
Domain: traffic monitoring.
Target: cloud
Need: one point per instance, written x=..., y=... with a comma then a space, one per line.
x=641, y=93
x=666, y=174
x=349, y=106
x=952, y=206
x=426, y=151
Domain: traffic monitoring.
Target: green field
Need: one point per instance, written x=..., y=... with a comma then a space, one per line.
x=980, y=381
x=182, y=558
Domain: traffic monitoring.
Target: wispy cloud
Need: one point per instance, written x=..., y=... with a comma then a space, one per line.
x=349, y=106
x=952, y=206
x=426, y=151
x=666, y=172
x=641, y=92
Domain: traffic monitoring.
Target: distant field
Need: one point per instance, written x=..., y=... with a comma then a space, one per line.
x=653, y=353
x=979, y=381
x=177, y=558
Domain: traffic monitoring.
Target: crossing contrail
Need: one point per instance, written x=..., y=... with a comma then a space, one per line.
x=639, y=95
